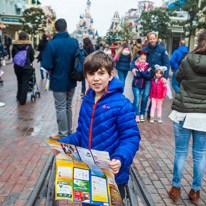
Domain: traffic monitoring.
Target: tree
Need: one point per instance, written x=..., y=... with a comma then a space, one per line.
x=110, y=37
x=33, y=21
x=157, y=20
x=99, y=39
x=197, y=12
x=127, y=31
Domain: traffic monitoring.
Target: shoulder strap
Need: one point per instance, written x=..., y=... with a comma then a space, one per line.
x=77, y=44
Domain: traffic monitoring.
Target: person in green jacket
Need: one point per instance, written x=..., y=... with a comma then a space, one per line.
x=189, y=116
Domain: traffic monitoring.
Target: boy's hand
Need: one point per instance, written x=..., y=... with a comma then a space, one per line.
x=115, y=165
x=149, y=69
x=163, y=99
x=54, y=151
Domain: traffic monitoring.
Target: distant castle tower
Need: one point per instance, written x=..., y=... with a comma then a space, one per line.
x=115, y=26
x=85, y=26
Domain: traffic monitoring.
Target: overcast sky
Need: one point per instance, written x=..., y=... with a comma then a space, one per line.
x=102, y=11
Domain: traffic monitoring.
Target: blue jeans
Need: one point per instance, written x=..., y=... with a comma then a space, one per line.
x=145, y=98
x=175, y=83
x=122, y=75
x=182, y=139
x=137, y=95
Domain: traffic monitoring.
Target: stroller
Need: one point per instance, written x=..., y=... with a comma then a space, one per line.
x=33, y=87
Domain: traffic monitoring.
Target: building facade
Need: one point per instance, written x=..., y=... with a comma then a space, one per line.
x=10, y=15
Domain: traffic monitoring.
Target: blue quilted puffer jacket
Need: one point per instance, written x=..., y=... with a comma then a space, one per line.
x=124, y=63
x=109, y=125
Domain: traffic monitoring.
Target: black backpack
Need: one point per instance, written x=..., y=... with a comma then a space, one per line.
x=76, y=73
x=183, y=57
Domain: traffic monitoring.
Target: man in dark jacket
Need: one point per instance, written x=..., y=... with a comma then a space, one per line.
x=157, y=55
x=41, y=47
x=175, y=61
x=58, y=58
x=7, y=43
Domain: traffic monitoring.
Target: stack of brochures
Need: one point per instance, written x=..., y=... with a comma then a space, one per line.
x=83, y=175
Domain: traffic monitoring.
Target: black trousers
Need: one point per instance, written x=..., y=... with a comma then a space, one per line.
x=23, y=76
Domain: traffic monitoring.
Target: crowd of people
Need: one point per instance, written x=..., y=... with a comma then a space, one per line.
x=107, y=120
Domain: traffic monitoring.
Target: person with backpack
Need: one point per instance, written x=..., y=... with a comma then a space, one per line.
x=23, y=69
x=58, y=59
x=175, y=61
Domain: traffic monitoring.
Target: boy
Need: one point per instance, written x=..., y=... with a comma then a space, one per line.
x=106, y=119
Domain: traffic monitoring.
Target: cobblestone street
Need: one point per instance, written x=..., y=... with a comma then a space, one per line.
x=24, y=152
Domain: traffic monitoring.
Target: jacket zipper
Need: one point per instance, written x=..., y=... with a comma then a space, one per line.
x=90, y=131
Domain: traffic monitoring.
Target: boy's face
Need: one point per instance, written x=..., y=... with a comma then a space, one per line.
x=99, y=80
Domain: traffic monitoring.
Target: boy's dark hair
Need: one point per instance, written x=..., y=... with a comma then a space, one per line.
x=97, y=60
x=60, y=25
x=23, y=36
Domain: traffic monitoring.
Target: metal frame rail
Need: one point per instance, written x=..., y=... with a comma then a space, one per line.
x=136, y=192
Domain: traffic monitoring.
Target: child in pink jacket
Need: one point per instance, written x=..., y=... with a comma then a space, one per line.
x=157, y=93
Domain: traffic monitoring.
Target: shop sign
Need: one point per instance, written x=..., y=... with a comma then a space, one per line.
x=177, y=29
x=11, y=19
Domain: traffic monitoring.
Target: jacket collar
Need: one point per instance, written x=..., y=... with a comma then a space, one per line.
x=115, y=85
x=61, y=35
x=153, y=47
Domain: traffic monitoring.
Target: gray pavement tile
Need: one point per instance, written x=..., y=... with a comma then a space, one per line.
x=10, y=199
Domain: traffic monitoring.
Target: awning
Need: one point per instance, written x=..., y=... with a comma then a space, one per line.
x=33, y=2
x=38, y=2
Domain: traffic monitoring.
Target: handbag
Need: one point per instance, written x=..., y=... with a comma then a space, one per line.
x=20, y=57
x=76, y=72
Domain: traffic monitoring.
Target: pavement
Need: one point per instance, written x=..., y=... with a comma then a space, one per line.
x=24, y=152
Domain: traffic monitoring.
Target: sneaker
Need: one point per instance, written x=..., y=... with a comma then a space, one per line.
x=142, y=118
x=2, y=104
x=151, y=120
x=159, y=120
x=137, y=119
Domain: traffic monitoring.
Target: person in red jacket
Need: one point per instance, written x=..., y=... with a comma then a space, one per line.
x=157, y=93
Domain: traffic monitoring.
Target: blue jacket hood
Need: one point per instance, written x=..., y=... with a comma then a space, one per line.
x=183, y=49
x=115, y=85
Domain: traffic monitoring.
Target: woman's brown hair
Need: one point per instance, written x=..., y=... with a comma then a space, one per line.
x=23, y=36
x=201, y=44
